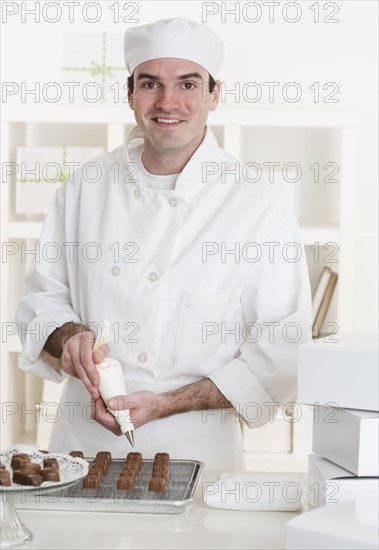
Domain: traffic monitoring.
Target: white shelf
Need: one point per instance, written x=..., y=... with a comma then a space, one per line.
x=25, y=230
x=14, y=344
x=321, y=234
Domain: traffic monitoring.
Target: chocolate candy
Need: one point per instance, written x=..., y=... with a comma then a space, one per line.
x=160, y=467
x=19, y=462
x=22, y=477
x=125, y=483
x=50, y=463
x=134, y=456
x=103, y=466
x=129, y=467
x=5, y=478
x=21, y=455
x=104, y=455
x=162, y=456
x=92, y=481
x=77, y=454
x=157, y=484
x=50, y=474
x=32, y=468
x=96, y=471
x=130, y=474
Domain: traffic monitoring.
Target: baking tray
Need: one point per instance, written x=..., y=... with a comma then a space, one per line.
x=183, y=480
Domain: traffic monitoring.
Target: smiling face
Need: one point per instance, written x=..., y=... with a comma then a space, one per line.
x=171, y=102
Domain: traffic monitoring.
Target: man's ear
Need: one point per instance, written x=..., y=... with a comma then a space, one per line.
x=131, y=99
x=215, y=95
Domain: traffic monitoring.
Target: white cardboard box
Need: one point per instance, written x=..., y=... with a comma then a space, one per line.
x=348, y=438
x=96, y=58
x=349, y=525
x=328, y=483
x=341, y=369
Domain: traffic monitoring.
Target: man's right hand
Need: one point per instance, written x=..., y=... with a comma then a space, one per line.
x=70, y=347
x=78, y=359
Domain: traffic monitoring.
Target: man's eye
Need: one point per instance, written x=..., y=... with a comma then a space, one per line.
x=148, y=85
x=189, y=85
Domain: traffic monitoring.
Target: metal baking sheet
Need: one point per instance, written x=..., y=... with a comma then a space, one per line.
x=183, y=480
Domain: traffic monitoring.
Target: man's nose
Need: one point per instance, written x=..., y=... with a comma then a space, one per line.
x=167, y=100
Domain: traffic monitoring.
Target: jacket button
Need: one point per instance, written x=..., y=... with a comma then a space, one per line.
x=172, y=202
x=153, y=277
x=115, y=270
x=137, y=193
x=142, y=357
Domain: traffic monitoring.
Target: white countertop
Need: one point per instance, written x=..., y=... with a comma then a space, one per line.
x=198, y=527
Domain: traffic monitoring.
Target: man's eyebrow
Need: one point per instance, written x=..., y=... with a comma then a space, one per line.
x=147, y=75
x=180, y=77
x=190, y=75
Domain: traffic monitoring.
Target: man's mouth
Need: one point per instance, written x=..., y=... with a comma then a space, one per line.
x=167, y=121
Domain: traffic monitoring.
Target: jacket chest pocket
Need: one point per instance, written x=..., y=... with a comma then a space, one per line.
x=209, y=325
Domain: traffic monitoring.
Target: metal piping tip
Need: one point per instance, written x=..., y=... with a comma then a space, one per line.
x=130, y=436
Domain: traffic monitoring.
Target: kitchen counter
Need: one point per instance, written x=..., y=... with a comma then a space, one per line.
x=198, y=527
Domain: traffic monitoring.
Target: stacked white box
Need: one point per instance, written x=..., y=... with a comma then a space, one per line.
x=347, y=437
x=340, y=369
x=339, y=376
x=331, y=484
x=346, y=526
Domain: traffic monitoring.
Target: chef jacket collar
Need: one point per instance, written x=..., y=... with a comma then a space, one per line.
x=194, y=172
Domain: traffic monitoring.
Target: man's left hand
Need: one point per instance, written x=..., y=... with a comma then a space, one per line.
x=144, y=406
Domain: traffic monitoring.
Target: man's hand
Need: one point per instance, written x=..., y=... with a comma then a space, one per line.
x=144, y=406
x=78, y=359
x=70, y=347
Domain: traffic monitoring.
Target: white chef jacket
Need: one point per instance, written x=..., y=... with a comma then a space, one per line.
x=208, y=279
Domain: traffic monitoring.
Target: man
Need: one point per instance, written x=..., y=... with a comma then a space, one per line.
x=193, y=330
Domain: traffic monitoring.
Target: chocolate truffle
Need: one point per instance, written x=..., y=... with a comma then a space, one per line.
x=96, y=471
x=19, y=462
x=21, y=455
x=160, y=468
x=104, y=455
x=129, y=473
x=50, y=463
x=134, y=456
x=77, y=454
x=132, y=466
x=91, y=481
x=157, y=484
x=163, y=475
x=22, y=477
x=50, y=474
x=5, y=478
x=162, y=456
x=103, y=466
x=125, y=483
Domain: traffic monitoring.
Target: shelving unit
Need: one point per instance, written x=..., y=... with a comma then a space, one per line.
x=324, y=209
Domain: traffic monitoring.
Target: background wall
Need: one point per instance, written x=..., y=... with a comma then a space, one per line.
x=327, y=50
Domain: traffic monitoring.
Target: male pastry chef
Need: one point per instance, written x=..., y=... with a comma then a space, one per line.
x=200, y=273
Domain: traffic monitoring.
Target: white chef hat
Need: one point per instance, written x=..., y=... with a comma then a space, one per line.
x=178, y=37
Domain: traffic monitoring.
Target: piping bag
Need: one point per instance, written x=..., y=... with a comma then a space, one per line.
x=112, y=383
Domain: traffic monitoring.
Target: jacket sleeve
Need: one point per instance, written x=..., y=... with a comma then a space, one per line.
x=277, y=310
x=46, y=303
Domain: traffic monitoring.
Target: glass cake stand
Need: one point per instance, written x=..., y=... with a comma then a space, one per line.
x=13, y=531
